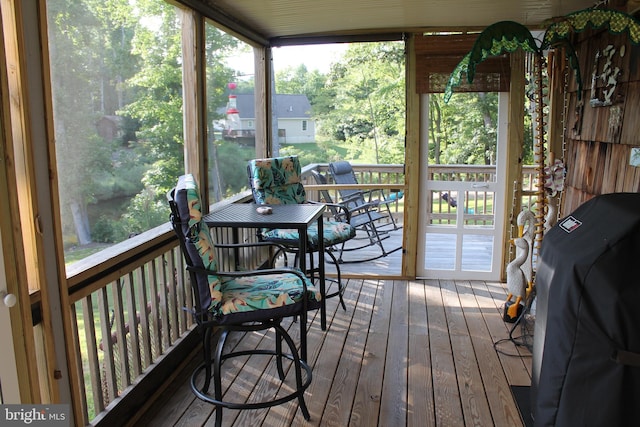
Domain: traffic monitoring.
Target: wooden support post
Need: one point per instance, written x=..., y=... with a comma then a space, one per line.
x=515, y=136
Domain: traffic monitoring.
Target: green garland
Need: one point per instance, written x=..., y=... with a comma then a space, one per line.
x=508, y=36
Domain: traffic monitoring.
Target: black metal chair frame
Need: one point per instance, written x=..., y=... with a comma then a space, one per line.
x=365, y=215
x=369, y=198
x=263, y=320
x=311, y=249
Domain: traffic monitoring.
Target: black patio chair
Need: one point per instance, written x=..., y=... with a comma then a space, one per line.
x=362, y=216
x=246, y=301
x=342, y=173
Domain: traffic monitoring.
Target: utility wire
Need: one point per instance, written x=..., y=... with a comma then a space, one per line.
x=523, y=340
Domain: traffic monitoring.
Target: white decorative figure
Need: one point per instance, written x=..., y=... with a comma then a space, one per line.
x=516, y=280
x=526, y=228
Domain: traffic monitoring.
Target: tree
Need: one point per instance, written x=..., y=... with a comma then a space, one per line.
x=473, y=131
x=82, y=35
x=218, y=45
x=464, y=130
x=300, y=81
x=436, y=131
x=367, y=93
x=122, y=59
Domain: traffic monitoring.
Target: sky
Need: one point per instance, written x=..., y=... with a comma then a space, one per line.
x=315, y=57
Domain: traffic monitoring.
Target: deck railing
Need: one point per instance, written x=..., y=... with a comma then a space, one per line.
x=389, y=178
x=124, y=317
x=127, y=323
x=478, y=204
x=130, y=303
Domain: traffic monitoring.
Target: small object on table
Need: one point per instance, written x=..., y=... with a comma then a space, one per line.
x=264, y=210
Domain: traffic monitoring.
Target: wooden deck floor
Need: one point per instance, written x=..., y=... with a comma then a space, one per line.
x=477, y=255
x=404, y=353
x=383, y=266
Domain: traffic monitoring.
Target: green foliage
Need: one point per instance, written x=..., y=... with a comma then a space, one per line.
x=218, y=45
x=232, y=166
x=464, y=130
x=84, y=31
x=299, y=80
x=123, y=59
x=312, y=153
x=107, y=230
x=364, y=101
x=145, y=211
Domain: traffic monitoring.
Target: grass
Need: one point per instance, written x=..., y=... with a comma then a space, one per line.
x=77, y=253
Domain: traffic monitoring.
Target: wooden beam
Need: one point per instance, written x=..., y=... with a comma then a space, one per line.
x=230, y=23
x=263, y=108
x=513, y=181
x=194, y=142
x=14, y=269
x=412, y=157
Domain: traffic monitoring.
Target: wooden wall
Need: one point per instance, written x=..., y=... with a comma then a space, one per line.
x=599, y=139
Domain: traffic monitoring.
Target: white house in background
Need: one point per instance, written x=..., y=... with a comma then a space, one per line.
x=295, y=124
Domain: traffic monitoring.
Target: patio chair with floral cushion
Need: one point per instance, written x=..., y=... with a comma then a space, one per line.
x=244, y=301
x=277, y=181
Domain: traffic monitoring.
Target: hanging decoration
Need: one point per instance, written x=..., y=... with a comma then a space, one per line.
x=609, y=77
x=497, y=39
x=615, y=21
x=554, y=177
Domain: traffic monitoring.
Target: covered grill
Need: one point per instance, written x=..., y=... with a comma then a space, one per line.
x=586, y=361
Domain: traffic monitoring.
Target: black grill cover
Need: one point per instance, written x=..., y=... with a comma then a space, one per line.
x=586, y=352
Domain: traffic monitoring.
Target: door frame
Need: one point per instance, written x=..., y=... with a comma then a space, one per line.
x=18, y=381
x=499, y=198
x=9, y=376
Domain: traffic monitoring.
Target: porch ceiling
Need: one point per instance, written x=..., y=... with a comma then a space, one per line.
x=295, y=18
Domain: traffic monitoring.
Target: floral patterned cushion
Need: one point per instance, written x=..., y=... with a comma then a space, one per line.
x=277, y=181
x=198, y=240
x=334, y=233
x=228, y=296
x=250, y=293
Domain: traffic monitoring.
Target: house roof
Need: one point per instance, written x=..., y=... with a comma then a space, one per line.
x=278, y=20
x=287, y=106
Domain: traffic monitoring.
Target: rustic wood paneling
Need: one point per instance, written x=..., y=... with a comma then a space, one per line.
x=634, y=68
x=630, y=133
x=599, y=138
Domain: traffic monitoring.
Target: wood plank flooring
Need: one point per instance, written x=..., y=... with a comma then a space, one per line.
x=404, y=353
x=477, y=254
x=375, y=264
